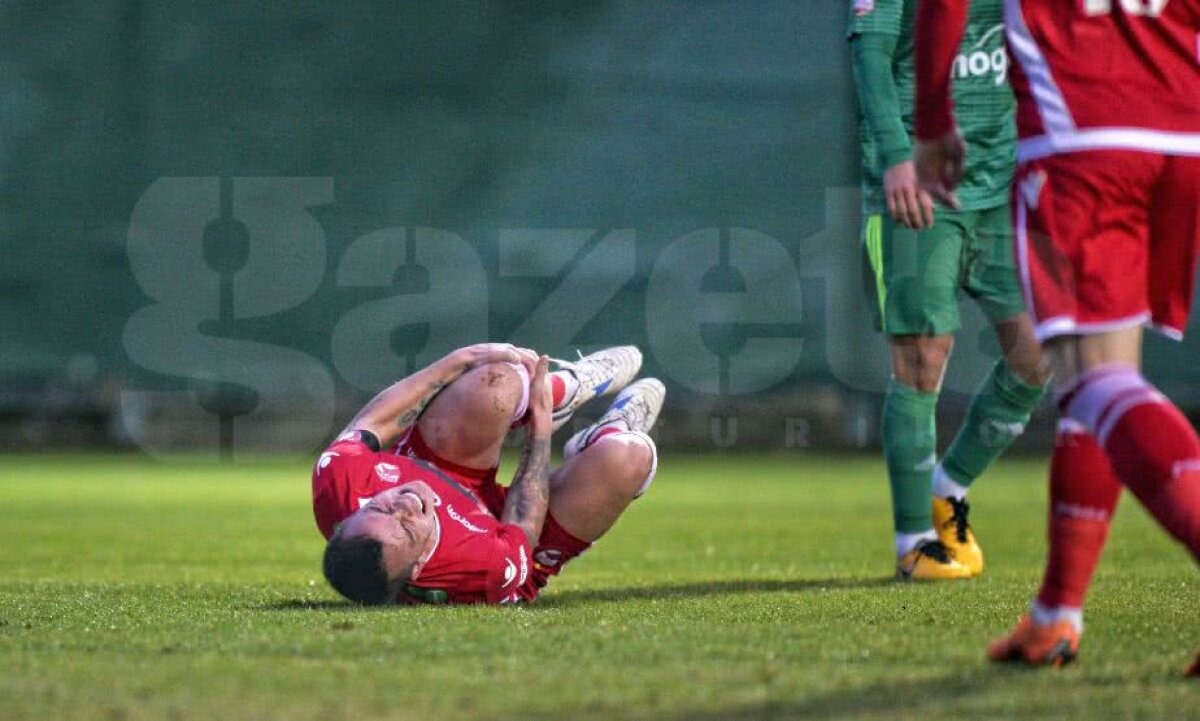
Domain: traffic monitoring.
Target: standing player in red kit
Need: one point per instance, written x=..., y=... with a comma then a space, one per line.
x=1107, y=217
x=425, y=520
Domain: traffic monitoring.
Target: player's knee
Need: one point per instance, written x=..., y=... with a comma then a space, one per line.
x=920, y=362
x=493, y=389
x=632, y=460
x=1030, y=367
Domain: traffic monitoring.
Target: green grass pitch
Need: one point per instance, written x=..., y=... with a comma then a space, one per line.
x=740, y=587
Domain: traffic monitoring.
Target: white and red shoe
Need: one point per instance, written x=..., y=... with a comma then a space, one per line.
x=634, y=409
x=598, y=374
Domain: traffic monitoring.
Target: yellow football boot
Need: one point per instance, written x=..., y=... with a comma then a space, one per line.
x=954, y=531
x=930, y=561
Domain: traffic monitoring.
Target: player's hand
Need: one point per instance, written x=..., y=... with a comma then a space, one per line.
x=906, y=202
x=940, y=166
x=484, y=353
x=541, y=401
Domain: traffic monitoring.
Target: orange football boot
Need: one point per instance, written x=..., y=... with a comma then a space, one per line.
x=1054, y=644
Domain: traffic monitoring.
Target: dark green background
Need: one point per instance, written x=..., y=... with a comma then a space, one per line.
x=661, y=118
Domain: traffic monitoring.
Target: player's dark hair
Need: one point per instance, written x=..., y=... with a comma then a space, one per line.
x=354, y=567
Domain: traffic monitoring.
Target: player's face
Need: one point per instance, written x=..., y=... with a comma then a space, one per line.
x=404, y=521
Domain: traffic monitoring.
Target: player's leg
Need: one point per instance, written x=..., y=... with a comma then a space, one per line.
x=917, y=277
x=1083, y=497
x=467, y=422
x=1087, y=252
x=1120, y=428
x=606, y=466
x=1152, y=446
x=1008, y=395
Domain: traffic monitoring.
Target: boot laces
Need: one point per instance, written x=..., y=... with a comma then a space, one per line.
x=961, y=524
x=935, y=550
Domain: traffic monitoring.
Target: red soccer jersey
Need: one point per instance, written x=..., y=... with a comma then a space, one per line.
x=476, y=558
x=1087, y=74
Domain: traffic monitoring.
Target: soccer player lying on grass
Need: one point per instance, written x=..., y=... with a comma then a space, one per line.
x=425, y=520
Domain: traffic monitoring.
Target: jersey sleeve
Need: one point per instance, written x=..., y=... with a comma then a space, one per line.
x=939, y=31
x=875, y=16
x=343, y=479
x=878, y=98
x=508, y=573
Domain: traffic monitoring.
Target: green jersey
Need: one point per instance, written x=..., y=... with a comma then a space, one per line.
x=984, y=105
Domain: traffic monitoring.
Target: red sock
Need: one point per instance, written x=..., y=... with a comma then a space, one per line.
x=1155, y=452
x=608, y=430
x=1083, y=494
x=558, y=390
x=1152, y=447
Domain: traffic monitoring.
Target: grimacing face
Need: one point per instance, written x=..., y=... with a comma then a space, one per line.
x=403, y=520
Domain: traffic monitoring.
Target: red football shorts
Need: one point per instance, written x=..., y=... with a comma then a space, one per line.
x=1107, y=239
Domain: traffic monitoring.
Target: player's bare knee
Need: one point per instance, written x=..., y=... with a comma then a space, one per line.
x=920, y=361
x=494, y=389
x=1029, y=365
x=631, y=459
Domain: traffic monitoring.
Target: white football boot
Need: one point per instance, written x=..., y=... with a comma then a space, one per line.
x=638, y=406
x=599, y=374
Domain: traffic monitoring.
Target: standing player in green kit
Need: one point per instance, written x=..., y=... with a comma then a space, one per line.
x=922, y=257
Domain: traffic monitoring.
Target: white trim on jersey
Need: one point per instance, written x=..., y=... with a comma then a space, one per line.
x=1061, y=133
x=1156, y=141
x=1023, y=257
x=1052, y=107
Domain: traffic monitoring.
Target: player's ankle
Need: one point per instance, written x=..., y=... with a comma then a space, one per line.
x=563, y=387
x=607, y=428
x=1046, y=615
x=906, y=542
x=946, y=487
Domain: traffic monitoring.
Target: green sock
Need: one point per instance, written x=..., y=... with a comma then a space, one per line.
x=998, y=415
x=909, y=443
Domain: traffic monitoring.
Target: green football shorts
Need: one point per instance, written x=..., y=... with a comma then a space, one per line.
x=918, y=273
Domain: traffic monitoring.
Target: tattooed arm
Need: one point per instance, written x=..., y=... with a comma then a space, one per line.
x=400, y=404
x=528, y=498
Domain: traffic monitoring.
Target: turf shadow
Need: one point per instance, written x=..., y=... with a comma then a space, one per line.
x=308, y=604
x=710, y=588
x=699, y=589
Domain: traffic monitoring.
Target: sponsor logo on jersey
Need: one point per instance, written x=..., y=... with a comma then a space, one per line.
x=548, y=557
x=325, y=459
x=863, y=7
x=978, y=61
x=510, y=572
x=453, y=513
x=387, y=472
x=524, y=565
